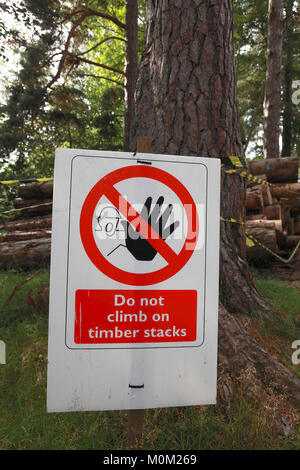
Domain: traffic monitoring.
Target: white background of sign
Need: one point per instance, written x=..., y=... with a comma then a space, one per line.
x=89, y=377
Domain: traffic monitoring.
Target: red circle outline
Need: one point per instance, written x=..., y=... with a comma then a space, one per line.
x=90, y=246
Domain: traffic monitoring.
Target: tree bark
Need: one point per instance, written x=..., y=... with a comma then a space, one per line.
x=131, y=65
x=186, y=104
x=272, y=99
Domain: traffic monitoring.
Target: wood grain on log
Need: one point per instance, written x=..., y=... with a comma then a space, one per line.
x=34, y=206
x=36, y=190
x=265, y=236
x=30, y=224
x=267, y=224
x=291, y=191
x=254, y=200
x=265, y=191
x=277, y=170
x=297, y=226
x=25, y=252
x=256, y=217
x=272, y=212
x=292, y=241
x=18, y=236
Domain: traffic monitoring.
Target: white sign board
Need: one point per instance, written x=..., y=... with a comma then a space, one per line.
x=134, y=281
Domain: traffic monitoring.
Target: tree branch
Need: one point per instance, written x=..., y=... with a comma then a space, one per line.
x=104, y=78
x=100, y=43
x=66, y=49
x=107, y=67
x=101, y=14
x=84, y=14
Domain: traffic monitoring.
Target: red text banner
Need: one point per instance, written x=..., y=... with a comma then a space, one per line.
x=135, y=316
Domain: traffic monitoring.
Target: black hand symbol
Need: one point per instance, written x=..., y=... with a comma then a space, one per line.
x=138, y=246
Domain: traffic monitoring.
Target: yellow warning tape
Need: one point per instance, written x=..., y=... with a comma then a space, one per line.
x=31, y=180
x=231, y=219
x=25, y=208
x=254, y=241
x=236, y=161
x=245, y=174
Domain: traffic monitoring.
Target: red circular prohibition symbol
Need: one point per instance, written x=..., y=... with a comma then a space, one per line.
x=106, y=187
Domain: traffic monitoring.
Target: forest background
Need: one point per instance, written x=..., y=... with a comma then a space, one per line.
x=63, y=80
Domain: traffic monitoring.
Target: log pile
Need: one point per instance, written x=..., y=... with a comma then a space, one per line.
x=25, y=239
x=273, y=211
x=273, y=214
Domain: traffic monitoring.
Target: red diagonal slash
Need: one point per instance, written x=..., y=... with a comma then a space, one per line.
x=106, y=186
x=139, y=223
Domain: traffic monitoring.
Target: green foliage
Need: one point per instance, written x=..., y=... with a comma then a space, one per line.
x=84, y=106
x=251, y=29
x=250, y=43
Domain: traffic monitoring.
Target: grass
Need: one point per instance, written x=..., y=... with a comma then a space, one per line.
x=279, y=329
x=24, y=423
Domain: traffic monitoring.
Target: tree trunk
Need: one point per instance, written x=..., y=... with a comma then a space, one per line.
x=186, y=105
x=288, y=79
x=273, y=80
x=130, y=66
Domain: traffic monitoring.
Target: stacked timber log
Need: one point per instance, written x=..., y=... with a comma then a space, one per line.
x=273, y=214
x=25, y=239
x=273, y=210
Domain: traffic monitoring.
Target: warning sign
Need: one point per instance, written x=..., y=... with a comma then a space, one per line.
x=134, y=281
x=148, y=237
